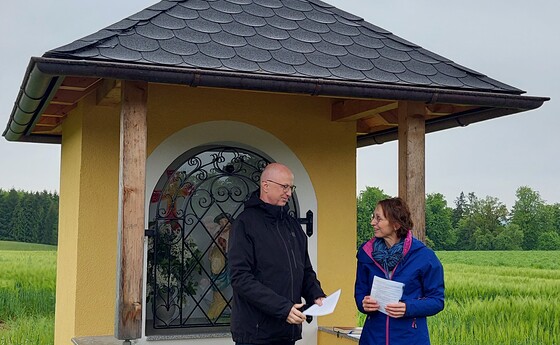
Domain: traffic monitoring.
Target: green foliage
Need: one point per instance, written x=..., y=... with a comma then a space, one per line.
x=554, y=211
x=530, y=215
x=367, y=200
x=549, y=240
x=439, y=228
x=27, y=295
x=511, y=238
x=478, y=224
x=29, y=216
x=482, y=222
x=459, y=210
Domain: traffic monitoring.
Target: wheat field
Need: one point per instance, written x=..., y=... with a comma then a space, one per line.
x=492, y=298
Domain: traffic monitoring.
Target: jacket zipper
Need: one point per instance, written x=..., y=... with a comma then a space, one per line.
x=389, y=275
x=387, y=330
x=289, y=261
x=291, y=270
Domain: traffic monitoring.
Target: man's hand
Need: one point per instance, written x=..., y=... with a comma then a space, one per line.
x=319, y=301
x=296, y=317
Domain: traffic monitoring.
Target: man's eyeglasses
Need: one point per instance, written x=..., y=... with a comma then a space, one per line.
x=285, y=187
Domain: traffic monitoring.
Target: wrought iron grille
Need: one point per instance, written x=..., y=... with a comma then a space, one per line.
x=191, y=211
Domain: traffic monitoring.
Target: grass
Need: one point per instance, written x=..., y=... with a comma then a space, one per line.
x=509, y=297
x=27, y=294
x=20, y=246
x=492, y=298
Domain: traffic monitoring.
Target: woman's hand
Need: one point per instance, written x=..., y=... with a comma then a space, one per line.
x=369, y=304
x=396, y=309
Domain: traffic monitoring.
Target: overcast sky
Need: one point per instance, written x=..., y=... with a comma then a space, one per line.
x=513, y=41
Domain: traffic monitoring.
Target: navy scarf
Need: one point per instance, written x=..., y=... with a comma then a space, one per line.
x=388, y=258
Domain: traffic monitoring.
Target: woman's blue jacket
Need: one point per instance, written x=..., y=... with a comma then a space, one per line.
x=422, y=273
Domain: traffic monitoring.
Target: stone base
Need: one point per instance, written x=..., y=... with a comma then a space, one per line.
x=100, y=340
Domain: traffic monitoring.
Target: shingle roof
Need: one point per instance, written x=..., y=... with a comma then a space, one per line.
x=297, y=38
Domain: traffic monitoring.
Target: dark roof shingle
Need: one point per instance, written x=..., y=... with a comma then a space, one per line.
x=298, y=38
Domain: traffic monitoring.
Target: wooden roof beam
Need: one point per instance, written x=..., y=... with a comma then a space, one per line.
x=109, y=93
x=352, y=110
x=70, y=95
x=78, y=83
x=446, y=109
x=49, y=121
x=58, y=110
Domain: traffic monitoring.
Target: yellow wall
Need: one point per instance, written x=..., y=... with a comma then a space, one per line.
x=88, y=222
x=326, y=149
x=90, y=150
x=69, y=204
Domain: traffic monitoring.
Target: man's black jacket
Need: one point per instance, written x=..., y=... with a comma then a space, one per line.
x=270, y=272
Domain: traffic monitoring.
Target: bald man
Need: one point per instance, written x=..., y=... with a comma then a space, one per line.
x=269, y=265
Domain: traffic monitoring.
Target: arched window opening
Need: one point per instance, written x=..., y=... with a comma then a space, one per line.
x=190, y=215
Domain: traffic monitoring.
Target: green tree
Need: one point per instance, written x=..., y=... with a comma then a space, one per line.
x=4, y=218
x=555, y=215
x=366, y=202
x=19, y=224
x=511, y=238
x=50, y=221
x=549, y=240
x=529, y=214
x=459, y=210
x=36, y=213
x=29, y=216
x=10, y=200
x=480, y=226
x=465, y=225
x=439, y=228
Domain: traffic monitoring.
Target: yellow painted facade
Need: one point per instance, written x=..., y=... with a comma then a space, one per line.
x=89, y=191
x=86, y=265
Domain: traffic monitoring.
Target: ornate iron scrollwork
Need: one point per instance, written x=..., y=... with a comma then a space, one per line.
x=191, y=210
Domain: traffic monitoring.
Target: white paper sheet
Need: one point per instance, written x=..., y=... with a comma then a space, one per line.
x=328, y=306
x=385, y=292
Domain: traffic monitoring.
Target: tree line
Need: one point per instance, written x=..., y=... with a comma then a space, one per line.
x=474, y=223
x=29, y=216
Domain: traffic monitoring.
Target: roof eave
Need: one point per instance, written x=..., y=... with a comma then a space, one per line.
x=440, y=123
x=43, y=77
x=36, y=91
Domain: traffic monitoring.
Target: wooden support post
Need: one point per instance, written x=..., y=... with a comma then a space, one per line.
x=128, y=309
x=412, y=151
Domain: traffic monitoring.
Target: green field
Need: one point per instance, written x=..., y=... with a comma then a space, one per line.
x=499, y=298
x=27, y=293
x=492, y=298
x=24, y=247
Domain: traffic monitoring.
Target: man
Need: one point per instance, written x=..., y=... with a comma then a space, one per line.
x=269, y=266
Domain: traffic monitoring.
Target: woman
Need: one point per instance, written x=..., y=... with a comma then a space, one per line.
x=395, y=255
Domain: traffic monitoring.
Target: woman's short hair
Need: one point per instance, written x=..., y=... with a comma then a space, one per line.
x=396, y=211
